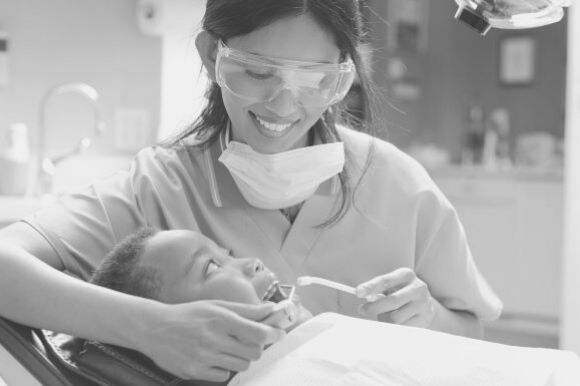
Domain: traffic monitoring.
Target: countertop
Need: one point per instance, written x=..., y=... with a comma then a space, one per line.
x=73, y=173
x=14, y=208
x=518, y=173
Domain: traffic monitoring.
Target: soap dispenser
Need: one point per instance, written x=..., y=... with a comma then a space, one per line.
x=15, y=160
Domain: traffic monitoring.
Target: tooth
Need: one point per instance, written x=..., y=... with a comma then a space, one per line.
x=273, y=126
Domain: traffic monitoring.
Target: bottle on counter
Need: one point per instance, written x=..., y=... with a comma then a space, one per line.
x=472, y=153
x=15, y=160
x=500, y=119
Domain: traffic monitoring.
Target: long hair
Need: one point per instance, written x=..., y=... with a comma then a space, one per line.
x=342, y=18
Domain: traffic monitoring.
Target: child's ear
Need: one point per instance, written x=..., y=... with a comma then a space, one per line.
x=207, y=47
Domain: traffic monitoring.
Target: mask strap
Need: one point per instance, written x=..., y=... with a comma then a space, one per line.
x=225, y=136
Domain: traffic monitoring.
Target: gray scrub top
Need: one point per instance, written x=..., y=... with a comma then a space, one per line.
x=399, y=219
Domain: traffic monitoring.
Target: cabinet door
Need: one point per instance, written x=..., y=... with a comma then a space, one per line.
x=489, y=212
x=514, y=229
x=540, y=248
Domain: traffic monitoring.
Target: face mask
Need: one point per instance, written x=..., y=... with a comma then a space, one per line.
x=281, y=180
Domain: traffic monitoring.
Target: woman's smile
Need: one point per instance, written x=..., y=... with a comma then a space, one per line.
x=271, y=127
x=280, y=123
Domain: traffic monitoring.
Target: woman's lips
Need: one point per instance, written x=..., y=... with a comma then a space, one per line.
x=269, y=127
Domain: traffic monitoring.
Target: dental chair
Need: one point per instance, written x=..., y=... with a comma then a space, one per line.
x=25, y=345
x=60, y=360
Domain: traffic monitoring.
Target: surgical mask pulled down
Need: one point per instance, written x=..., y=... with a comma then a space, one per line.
x=281, y=180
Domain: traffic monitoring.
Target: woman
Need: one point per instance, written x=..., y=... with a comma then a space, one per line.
x=265, y=171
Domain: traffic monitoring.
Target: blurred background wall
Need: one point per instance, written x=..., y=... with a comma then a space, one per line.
x=458, y=68
x=97, y=42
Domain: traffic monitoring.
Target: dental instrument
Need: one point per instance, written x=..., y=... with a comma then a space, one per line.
x=308, y=280
x=288, y=289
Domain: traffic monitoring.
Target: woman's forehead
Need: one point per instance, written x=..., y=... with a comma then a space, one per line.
x=296, y=38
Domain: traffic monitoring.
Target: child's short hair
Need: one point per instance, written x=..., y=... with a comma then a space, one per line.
x=120, y=269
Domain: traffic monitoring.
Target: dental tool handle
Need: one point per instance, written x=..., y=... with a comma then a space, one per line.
x=308, y=280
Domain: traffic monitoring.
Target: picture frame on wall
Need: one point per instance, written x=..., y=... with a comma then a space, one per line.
x=407, y=25
x=517, y=56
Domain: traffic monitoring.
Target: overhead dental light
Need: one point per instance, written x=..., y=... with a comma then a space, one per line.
x=482, y=15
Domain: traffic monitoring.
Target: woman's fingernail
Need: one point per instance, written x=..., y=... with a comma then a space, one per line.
x=372, y=298
x=289, y=310
x=290, y=315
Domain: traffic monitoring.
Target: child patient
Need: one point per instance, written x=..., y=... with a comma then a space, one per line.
x=179, y=266
x=175, y=266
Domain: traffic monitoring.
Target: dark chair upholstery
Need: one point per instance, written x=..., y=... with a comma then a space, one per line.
x=56, y=359
x=25, y=345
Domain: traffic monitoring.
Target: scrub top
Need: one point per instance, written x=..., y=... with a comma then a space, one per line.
x=399, y=218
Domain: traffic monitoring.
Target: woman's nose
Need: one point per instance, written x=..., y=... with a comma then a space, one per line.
x=253, y=267
x=283, y=104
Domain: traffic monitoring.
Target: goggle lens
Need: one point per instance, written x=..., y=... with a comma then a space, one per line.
x=261, y=79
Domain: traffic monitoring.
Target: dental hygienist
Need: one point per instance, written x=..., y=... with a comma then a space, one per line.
x=267, y=171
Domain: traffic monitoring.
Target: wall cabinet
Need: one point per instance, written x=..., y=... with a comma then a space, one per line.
x=514, y=226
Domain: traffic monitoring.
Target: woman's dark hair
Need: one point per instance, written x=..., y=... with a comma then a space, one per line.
x=342, y=18
x=120, y=269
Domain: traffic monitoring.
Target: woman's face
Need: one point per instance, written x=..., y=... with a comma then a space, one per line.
x=192, y=267
x=297, y=38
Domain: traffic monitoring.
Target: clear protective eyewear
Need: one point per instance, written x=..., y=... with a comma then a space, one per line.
x=510, y=14
x=261, y=79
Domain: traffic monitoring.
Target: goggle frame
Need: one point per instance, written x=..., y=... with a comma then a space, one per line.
x=343, y=69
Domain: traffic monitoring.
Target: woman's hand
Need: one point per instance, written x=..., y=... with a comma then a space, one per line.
x=402, y=298
x=207, y=339
x=288, y=314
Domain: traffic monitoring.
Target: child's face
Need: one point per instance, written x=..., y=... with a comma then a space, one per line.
x=193, y=267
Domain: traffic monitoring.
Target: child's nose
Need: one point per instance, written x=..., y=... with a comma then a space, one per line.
x=253, y=267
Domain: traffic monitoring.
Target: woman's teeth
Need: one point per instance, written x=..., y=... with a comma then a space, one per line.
x=273, y=126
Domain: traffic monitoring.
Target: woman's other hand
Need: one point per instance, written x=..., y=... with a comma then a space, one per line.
x=402, y=298
x=207, y=339
x=288, y=314
x=303, y=313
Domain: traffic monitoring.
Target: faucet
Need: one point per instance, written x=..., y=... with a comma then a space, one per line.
x=46, y=166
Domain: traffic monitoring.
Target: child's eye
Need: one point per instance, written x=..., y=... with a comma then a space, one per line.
x=211, y=267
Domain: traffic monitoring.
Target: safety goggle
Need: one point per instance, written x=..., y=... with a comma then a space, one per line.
x=262, y=79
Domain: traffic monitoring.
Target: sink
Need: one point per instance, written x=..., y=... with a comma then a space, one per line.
x=72, y=173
